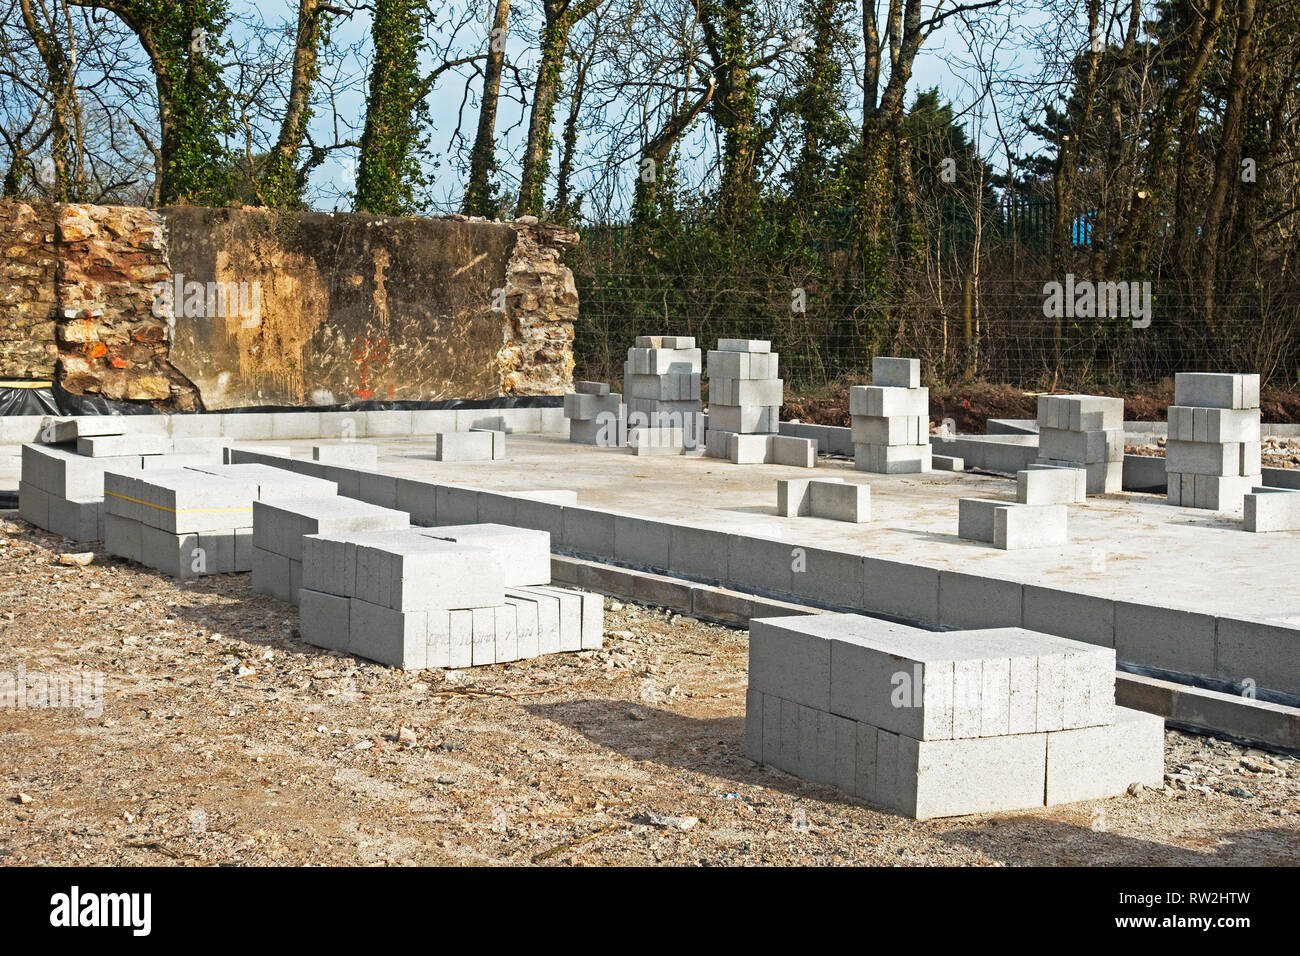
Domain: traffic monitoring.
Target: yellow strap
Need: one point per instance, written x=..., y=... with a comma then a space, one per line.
x=175, y=511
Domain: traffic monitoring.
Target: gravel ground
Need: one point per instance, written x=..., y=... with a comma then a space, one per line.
x=224, y=739
x=1274, y=452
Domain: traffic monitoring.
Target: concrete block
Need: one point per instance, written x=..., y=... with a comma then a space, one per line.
x=61, y=431
x=272, y=575
x=896, y=372
x=1203, y=458
x=656, y=441
x=1214, y=425
x=762, y=565
x=504, y=632
x=230, y=454
x=1083, y=447
x=541, y=515
x=463, y=446
x=885, y=401
x=1018, y=528
x=792, y=452
x=34, y=505
x=606, y=430
x=898, y=430
x=789, y=662
x=592, y=633
x=792, y=497
x=75, y=519
x=827, y=577
x=524, y=555
x=437, y=647
x=418, y=499
x=1216, y=390
x=122, y=537
x=398, y=638
x=1271, y=509
x=975, y=601
x=1160, y=637
x=748, y=449
x=892, y=459
x=745, y=391
x=947, y=463
x=1066, y=613
x=546, y=608
x=526, y=626
x=350, y=454
x=699, y=553
x=433, y=421
x=324, y=620
x=742, y=365
x=118, y=446
x=65, y=474
x=942, y=778
x=1096, y=762
x=377, y=489
x=414, y=572
x=1220, y=493
x=588, y=532
x=1265, y=652
x=460, y=640
x=498, y=441
x=750, y=419
x=1050, y=486
x=456, y=505
x=642, y=542
x=902, y=590
x=840, y=501
x=744, y=345
x=591, y=388
x=754, y=725
x=187, y=501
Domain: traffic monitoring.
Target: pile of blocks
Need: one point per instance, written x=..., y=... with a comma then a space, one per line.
x=1212, y=456
x=454, y=596
x=477, y=444
x=831, y=498
x=891, y=419
x=1271, y=509
x=1084, y=431
x=1011, y=526
x=280, y=526
x=936, y=724
x=745, y=408
x=596, y=415
x=188, y=522
x=661, y=388
x=62, y=480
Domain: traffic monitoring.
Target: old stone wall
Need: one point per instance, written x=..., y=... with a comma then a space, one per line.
x=28, y=267
x=189, y=307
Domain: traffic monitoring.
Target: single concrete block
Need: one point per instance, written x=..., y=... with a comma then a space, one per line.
x=75, y=519
x=498, y=441
x=463, y=446
x=456, y=505
x=744, y=345
x=1216, y=390
x=888, y=401
x=460, y=626
x=526, y=626
x=398, y=638
x=896, y=372
x=892, y=459
x=592, y=635
x=1091, y=763
x=117, y=446
x=591, y=388
x=947, y=463
x=350, y=454
x=896, y=430
x=973, y=600
x=900, y=589
x=698, y=553
x=34, y=505
x=789, y=662
x=840, y=501
x=792, y=452
x=122, y=537
x=1161, y=637
x=943, y=778
x=272, y=575
x=754, y=725
x=1271, y=509
x=1262, y=651
x=1066, y=613
x=1017, y=528
x=1051, y=486
x=588, y=532
x=749, y=419
x=324, y=619
x=641, y=542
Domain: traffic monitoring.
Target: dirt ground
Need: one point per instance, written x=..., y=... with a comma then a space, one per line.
x=970, y=406
x=224, y=739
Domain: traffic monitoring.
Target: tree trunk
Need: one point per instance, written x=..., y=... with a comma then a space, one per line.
x=479, y=193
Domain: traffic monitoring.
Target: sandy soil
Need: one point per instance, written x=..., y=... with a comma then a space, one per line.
x=224, y=739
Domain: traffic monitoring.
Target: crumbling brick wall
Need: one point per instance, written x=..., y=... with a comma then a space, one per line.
x=113, y=333
x=28, y=266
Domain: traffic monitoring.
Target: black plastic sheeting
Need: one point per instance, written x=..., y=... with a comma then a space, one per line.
x=57, y=401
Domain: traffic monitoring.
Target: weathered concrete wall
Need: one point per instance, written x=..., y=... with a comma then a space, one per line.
x=356, y=307
x=28, y=268
x=190, y=307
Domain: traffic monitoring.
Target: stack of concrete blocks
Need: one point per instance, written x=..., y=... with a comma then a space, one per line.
x=1212, y=456
x=891, y=419
x=62, y=480
x=1084, y=431
x=831, y=498
x=477, y=444
x=454, y=596
x=1011, y=526
x=745, y=395
x=1051, y=485
x=596, y=415
x=1271, y=509
x=936, y=724
x=661, y=387
x=280, y=526
x=191, y=522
